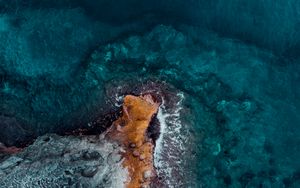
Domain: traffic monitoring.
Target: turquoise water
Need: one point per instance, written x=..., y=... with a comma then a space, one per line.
x=236, y=64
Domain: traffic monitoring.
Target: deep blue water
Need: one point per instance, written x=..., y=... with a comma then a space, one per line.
x=236, y=62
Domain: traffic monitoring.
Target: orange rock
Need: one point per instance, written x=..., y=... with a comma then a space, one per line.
x=130, y=132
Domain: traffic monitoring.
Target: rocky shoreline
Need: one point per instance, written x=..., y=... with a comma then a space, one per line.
x=124, y=151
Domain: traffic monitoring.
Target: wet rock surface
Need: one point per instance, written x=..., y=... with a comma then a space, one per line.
x=55, y=161
x=130, y=131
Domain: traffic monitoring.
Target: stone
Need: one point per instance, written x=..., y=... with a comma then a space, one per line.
x=114, y=158
x=147, y=174
x=89, y=171
x=75, y=157
x=142, y=157
x=132, y=145
x=91, y=155
x=119, y=128
x=135, y=153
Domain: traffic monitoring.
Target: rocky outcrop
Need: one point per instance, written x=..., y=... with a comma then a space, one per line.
x=122, y=156
x=130, y=131
x=56, y=161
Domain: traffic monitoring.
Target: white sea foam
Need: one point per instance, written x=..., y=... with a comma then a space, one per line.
x=119, y=99
x=113, y=169
x=170, y=144
x=120, y=177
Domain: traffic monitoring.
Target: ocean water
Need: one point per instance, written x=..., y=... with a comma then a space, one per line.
x=228, y=73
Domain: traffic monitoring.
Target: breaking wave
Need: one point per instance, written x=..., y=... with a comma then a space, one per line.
x=170, y=145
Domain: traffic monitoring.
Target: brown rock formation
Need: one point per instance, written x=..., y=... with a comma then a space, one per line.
x=130, y=132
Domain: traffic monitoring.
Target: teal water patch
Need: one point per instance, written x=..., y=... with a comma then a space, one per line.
x=230, y=105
